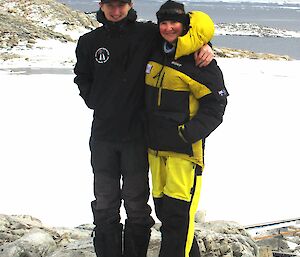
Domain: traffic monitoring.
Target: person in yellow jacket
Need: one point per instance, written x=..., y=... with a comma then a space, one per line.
x=184, y=105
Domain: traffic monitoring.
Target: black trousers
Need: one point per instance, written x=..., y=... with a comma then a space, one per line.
x=127, y=162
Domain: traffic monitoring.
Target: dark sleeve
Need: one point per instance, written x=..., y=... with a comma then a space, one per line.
x=211, y=106
x=154, y=37
x=83, y=71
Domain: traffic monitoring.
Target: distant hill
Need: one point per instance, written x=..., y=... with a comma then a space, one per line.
x=24, y=22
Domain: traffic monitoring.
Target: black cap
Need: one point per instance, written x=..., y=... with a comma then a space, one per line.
x=109, y=1
x=172, y=11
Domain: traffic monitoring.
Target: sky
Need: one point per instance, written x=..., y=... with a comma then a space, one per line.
x=252, y=163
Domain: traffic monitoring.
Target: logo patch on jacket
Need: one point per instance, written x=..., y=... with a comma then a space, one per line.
x=223, y=92
x=102, y=55
x=148, y=68
x=176, y=64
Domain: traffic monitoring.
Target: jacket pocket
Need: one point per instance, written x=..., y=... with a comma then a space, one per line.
x=163, y=133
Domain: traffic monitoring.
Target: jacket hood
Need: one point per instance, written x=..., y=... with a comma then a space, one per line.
x=201, y=31
x=130, y=18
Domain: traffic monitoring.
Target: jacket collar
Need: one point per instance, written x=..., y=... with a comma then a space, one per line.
x=117, y=26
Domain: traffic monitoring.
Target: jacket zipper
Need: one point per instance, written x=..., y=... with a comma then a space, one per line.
x=160, y=81
x=160, y=90
x=159, y=97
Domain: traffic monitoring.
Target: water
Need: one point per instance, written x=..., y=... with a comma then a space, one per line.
x=273, y=15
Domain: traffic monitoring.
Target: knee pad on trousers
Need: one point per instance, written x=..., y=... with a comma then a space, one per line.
x=105, y=217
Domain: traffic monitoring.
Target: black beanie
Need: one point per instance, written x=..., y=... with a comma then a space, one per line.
x=172, y=11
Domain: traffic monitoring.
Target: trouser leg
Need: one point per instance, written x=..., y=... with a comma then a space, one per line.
x=176, y=191
x=136, y=240
x=195, y=251
x=158, y=171
x=135, y=193
x=108, y=241
x=174, y=227
x=105, y=161
x=158, y=203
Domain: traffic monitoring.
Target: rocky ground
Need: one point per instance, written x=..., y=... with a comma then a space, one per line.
x=250, y=29
x=23, y=23
x=283, y=239
x=26, y=236
x=23, y=235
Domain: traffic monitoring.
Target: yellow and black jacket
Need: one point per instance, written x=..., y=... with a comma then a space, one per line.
x=184, y=103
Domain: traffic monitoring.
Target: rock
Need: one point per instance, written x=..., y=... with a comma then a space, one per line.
x=34, y=243
x=22, y=21
x=223, y=238
x=265, y=252
x=72, y=253
x=154, y=244
x=78, y=248
x=200, y=216
x=26, y=236
x=276, y=243
x=23, y=235
x=284, y=239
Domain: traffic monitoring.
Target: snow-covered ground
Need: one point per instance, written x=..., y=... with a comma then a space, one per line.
x=254, y=30
x=252, y=159
x=252, y=163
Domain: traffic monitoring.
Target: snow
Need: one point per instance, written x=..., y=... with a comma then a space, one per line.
x=255, y=30
x=74, y=34
x=45, y=53
x=252, y=167
x=252, y=163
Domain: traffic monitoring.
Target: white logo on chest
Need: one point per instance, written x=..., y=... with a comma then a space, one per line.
x=102, y=55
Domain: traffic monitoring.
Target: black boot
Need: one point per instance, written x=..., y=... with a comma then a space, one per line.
x=108, y=241
x=136, y=240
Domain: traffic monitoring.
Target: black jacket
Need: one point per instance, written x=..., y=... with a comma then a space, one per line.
x=184, y=104
x=110, y=67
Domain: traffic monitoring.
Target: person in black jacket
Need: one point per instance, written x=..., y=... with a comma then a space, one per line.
x=110, y=75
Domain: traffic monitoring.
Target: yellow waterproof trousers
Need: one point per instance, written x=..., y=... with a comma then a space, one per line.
x=176, y=192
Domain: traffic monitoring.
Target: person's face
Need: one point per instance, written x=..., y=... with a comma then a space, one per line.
x=170, y=30
x=116, y=10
